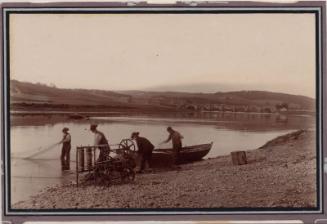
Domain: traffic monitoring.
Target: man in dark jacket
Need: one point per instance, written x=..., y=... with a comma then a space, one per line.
x=145, y=148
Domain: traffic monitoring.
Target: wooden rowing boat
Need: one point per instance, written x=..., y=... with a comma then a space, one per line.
x=164, y=157
x=190, y=153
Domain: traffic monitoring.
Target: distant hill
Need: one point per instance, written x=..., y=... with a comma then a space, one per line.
x=40, y=93
x=29, y=93
x=236, y=98
x=265, y=96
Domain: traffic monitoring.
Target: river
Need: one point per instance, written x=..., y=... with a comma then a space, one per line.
x=228, y=132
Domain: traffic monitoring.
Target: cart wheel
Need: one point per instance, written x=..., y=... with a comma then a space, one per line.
x=107, y=176
x=127, y=145
x=127, y=175
x=103, y=172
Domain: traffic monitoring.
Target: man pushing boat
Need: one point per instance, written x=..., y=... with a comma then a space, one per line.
x=176, y=139
x=145, y=148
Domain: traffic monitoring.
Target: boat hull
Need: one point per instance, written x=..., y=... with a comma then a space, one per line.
x=164, y=157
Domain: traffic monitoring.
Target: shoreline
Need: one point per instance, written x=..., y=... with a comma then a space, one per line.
x=281, y=173
x=109, y=111
x=230, y=120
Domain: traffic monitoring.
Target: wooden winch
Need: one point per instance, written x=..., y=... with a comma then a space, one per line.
x=86, y=156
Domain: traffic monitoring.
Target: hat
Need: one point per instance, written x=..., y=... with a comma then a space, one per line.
x=169, y=129
x=93, y=126
x=65, y=129
x=135, y=134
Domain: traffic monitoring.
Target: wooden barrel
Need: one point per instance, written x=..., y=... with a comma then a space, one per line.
x=89, y=158
x=239, y=158
x=81, y=160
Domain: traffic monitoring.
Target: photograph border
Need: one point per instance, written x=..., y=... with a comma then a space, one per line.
x=317, y=10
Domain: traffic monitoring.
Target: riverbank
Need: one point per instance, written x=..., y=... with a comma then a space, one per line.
x=282, y=173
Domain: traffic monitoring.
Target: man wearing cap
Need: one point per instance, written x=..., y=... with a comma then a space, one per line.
x=176, y=139
x=145, y=148
x=100, y=139
x=65, y=150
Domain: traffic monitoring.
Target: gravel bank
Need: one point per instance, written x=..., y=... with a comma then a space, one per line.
x=282, y=173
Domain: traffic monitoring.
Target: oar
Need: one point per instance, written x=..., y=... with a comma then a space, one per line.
x=41, y=151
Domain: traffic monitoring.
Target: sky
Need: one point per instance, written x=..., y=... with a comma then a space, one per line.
x=180, y=52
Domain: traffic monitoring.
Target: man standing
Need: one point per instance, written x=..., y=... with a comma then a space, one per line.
x=65, y=150
x=101, y=141
x=176, y=139
x=145, y=148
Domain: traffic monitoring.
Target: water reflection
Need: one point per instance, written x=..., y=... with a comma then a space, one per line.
x=271, y=119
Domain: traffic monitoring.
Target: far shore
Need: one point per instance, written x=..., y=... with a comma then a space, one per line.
x=98, y=111
x=280, y=174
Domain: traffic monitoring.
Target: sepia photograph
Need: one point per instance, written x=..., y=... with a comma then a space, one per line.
x=162, y=110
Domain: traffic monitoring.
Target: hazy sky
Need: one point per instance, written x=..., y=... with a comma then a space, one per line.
x=274, y=52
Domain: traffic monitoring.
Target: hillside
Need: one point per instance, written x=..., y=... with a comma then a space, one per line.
x=236, y=99
x=24, y=93
x=262, y=96
x=39, y=93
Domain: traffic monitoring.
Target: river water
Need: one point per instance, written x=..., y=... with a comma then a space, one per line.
x=228, y=132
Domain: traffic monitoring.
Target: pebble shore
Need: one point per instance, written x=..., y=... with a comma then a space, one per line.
x=282, y=173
